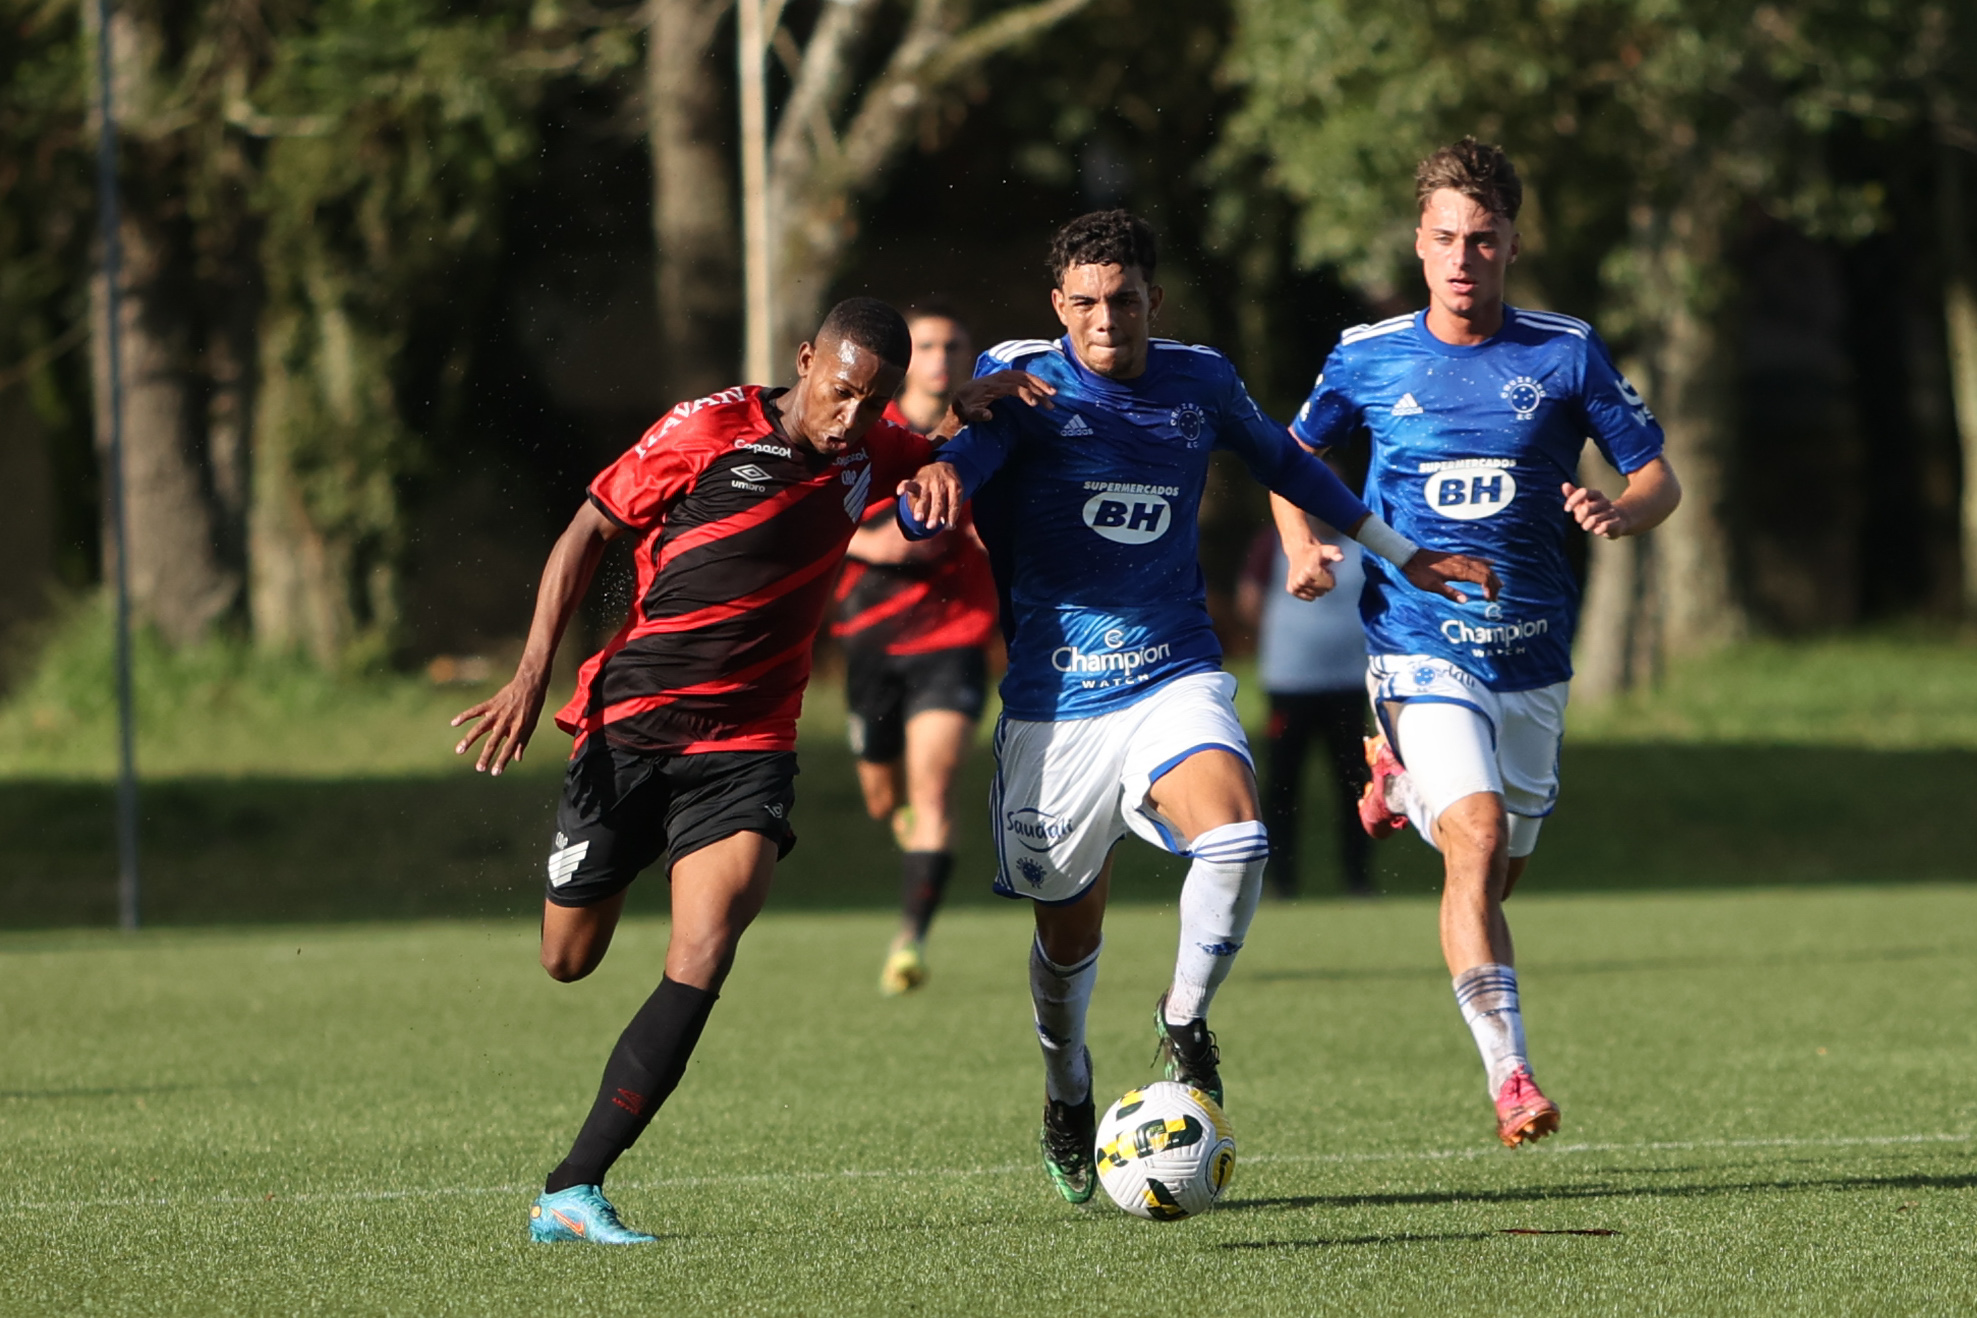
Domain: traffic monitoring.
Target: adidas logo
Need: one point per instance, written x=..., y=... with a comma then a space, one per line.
x=1407, y=406
x=1077, y=425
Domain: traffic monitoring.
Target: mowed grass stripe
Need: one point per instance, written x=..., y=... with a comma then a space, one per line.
x=1767, y=1096
x=1547, y=1150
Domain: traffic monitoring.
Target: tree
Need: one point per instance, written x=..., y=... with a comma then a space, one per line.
x=1647, y=130
x=850, y=113
x=694, y=227
x=388, y=131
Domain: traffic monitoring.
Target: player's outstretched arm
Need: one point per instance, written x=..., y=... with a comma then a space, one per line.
x=931, y=500
x=507, y=719
x=1652, y=494
x=972, y=401
x=1310, y=558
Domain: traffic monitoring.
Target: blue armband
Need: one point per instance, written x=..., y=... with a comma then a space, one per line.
x=912, y=527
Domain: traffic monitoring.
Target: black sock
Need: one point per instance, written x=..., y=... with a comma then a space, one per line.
x=643, y=1070
x=924, y=879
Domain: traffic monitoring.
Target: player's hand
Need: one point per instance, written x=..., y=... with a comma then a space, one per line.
x=971, y=401
x=1310, y=573
x=1431, y=570
x=1595, y=512
x=934, y=495
x=507, y=719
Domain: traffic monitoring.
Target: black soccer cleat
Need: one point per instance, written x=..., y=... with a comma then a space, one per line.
x=1070, y=1130
x=1188, y=1053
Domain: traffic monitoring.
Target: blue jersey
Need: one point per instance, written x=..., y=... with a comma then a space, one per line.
x=1470, y=448
x=1088, y=509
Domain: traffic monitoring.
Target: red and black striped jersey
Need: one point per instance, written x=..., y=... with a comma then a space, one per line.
x=942, y=600
x=741, y=534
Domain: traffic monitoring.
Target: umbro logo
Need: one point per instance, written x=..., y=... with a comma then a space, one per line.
x=1408, y=407
x=1077, y=425
x=750, y=472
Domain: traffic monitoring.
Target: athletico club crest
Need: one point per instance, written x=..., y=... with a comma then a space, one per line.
x=1524, y=394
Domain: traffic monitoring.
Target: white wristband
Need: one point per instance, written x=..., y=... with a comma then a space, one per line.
x=1383, y=540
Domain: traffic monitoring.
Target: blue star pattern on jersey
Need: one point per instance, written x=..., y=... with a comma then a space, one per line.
x=1088, y=509
x=1470, y=447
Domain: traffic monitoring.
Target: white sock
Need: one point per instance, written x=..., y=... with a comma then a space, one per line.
x=1060, y=995
x=1217, y=902
x=1487, y=995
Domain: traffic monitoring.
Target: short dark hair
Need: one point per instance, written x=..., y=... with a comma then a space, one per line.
x=872, y=325
x=1113, y=237
x=1477, y=170
x=931, y=307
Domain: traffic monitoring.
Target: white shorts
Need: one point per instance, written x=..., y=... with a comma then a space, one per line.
x=1066, y=792
x=1457, y=737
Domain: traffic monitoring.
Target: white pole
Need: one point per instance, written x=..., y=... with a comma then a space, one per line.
x=752, y=53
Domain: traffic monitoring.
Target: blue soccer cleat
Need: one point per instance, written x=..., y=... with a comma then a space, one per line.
x=581, y=1213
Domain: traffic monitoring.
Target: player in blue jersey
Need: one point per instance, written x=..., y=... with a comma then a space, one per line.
x=1117, y=717
x=1479, y=412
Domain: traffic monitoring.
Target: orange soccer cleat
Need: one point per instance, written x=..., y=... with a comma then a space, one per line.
x=1523, y=1113
x=1379, y=819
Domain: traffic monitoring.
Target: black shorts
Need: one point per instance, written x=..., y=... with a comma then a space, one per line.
x=882, y=691
x=622, y=810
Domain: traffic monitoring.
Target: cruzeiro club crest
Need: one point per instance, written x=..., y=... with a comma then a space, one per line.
x=1188, y=419
x=1524, y=394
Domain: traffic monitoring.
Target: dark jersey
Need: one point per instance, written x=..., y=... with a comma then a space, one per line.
x=944, y=600
x=741, y=535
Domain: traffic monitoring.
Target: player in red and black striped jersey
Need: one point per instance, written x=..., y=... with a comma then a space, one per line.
x=685, y=723
x=915, y=618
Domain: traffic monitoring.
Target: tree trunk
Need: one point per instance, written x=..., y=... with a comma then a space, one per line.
x=328, y=449
x=178, y=582
x=1960, y=325
x=1610, y=619
x=27, y=532
x=1694, y=398
x=693, y=211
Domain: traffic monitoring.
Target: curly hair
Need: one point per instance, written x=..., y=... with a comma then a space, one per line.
x=1477, y=170
x=1113, y=237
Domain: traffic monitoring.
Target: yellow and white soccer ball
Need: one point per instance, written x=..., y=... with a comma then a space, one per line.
x=1165, y=1152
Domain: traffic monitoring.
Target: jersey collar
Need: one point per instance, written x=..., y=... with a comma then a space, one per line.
x=1428, y=339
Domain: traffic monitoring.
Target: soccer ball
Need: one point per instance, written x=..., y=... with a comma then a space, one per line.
x=1165, y=1152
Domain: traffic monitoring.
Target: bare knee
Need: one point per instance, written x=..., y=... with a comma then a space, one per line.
x=567, y=965
x=1474, y=827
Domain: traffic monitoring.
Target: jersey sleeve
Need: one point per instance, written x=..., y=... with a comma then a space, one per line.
x=977, y=453
x=636, y=490
x=1627, y=434
x=1280, y=462
x=1329, y=416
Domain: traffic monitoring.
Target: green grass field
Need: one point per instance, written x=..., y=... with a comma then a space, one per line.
x=1768, y=1097
x=328, y=1077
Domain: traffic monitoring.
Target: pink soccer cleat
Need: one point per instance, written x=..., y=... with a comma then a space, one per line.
x=1523, y=1113
x=1379, y=819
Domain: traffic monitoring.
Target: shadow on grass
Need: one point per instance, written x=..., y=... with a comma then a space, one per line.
x=1643, y=965
x=221, y=851
x=1575, y=1193
x=1402, y=1238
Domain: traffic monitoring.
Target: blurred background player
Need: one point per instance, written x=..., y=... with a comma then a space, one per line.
x=1117, y=716
x=915, y=619
x=1479, y=414
x=1311, y=663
